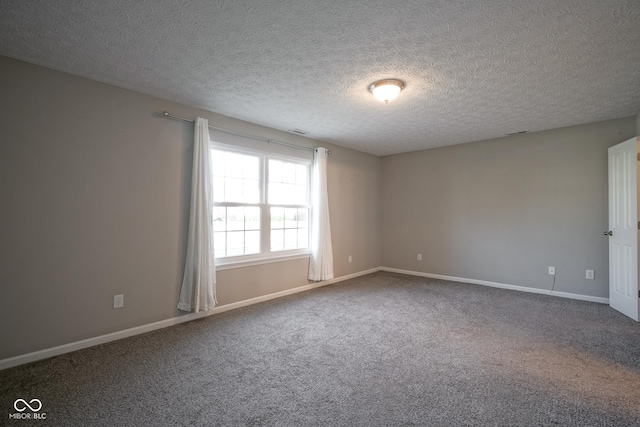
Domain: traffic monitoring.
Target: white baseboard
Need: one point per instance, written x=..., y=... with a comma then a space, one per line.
x=90, y=342
x=580, y=297
x=262, y=298
x=500, y=285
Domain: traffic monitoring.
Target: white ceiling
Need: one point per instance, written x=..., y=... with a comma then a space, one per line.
x=473, y=69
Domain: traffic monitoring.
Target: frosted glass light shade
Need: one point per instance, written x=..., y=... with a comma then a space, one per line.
x=386, y=90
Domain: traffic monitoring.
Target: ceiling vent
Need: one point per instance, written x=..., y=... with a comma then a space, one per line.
x=298, y=131
x=517, y=133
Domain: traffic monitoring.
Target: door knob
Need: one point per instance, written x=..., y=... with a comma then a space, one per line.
x=608, y=233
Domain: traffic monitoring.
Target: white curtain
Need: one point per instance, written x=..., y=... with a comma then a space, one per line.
x=321, y=261
x=198, y=291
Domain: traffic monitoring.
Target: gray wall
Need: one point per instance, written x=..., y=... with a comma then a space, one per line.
x=503, y=210
x=94, y=192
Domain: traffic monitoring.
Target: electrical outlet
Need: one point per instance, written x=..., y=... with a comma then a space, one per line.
x=118, y=301
x=552, y=271
x=590, y=274
x=419, y=257
x=350, y=259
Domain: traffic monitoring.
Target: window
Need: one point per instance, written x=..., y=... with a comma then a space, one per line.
x=261, y=204
x=288, y=195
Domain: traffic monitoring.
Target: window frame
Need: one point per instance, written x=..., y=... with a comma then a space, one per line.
x=266, y=255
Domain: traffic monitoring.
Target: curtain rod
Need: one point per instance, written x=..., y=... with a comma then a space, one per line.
x=244, y=135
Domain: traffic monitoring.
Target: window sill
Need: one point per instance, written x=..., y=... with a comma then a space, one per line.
x=227, y=265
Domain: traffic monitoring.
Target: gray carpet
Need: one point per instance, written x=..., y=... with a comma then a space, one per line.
x=379, y=350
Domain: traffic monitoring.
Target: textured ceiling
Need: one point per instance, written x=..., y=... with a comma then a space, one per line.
x=474, y=69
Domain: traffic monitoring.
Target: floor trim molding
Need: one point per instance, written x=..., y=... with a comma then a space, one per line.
x=90, y=342
x=500, y=285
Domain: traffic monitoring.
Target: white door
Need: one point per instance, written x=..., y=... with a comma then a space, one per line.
x=623, y=228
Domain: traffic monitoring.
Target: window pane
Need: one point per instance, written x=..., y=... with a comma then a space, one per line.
x=289, y=173
x=220, y=244
x=235, y=243
x=233, y=163
x=233, y=190
x=276, y=193
x=242, y=224
x=251, y=168
x=303, y=218
x=288, y=183
x=277, y=240
x=250, y=191
x=275, y=171
x=235, y=218
x=303, y=238
x=219, y=218
x=252, y=218
x=252, y=242
x=277, y=218
x=236, y=177
x=289, y=228
x=217, y=162
x=301, y=195
x=289, y=193
x=291, y=239
x=218, y=189
x=290, y=218
x=301, y=175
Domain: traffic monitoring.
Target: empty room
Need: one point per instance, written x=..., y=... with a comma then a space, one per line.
x=319, y=213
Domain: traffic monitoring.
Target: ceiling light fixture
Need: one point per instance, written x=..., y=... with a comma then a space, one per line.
x=386, y=90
